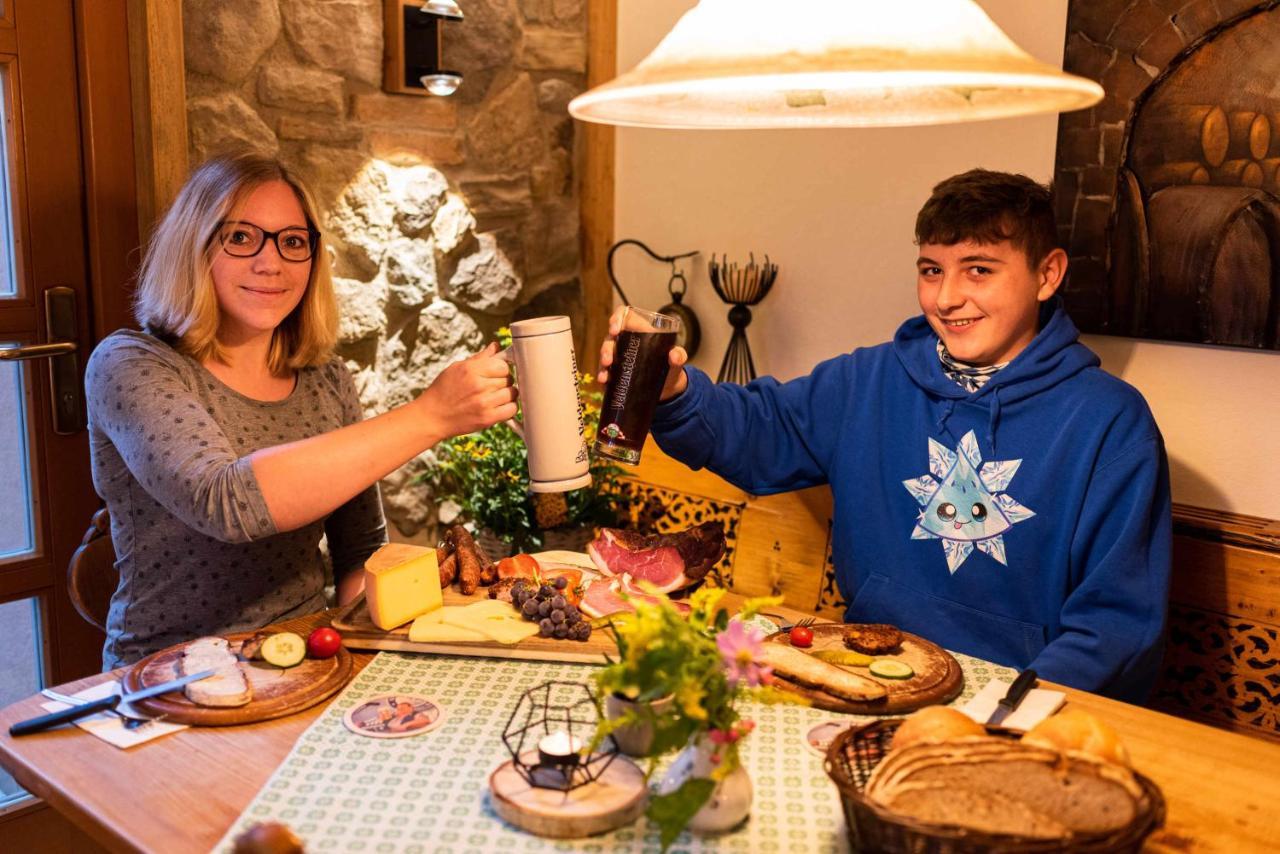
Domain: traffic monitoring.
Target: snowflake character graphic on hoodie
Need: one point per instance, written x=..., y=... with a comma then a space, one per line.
x=965, y=506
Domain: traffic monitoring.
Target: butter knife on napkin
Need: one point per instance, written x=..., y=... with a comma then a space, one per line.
x=1008, y=704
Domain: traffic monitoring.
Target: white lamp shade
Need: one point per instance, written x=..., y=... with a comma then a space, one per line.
x=832, y=63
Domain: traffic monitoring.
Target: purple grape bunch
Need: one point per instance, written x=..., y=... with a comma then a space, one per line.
x=546, y=605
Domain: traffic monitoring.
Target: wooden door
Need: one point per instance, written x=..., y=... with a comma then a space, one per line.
x=48, y=226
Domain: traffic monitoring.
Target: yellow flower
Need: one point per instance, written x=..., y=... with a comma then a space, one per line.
x=690, y=699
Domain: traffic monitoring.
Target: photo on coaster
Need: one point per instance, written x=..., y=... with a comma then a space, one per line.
x=394, y=716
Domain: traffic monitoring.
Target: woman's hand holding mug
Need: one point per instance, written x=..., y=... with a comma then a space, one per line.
x=470, y=394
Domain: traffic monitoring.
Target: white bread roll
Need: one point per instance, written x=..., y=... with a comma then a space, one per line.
x=935, y=723
x=1077, y=731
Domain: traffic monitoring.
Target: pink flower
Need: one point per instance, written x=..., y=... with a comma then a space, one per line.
x=741, y=650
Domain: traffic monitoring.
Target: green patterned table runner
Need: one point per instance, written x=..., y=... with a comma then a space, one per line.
x=344, y=792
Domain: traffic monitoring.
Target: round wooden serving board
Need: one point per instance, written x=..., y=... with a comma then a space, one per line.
x=616, y=798
x=277, y=691
x=938, y=677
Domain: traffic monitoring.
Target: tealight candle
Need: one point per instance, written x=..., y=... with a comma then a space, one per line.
x=559, y=748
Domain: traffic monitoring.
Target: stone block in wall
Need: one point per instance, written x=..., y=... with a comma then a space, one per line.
x=329, y=130
x=1134, y=24
x=405, y=111
x=550, y=178
x=545, y=49
x=1096, y=18
x=1162, y=45
x=417, y=193
x=385, y=202
x=409, y=504
x=551, y=237
x=555, y=94
x=452, y=225
x=563, y=12
x=1124, y=80
x=440, y=149
x=497, y=199
x=1087, y=57
x=226, y=38
x=341, y=35
x=485, y=280
x=328, y=170
x=557, y=298
x=363, y=314
x=1196, y=18
x=223, y=123
x=1080, y=147
x=487, y=39
x=506, y=135
x=296, y=87
x=409, y=267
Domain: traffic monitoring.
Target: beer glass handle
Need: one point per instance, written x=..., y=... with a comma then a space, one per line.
x=509, y=356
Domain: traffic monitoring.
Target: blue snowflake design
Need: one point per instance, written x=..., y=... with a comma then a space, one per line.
x=964, y=502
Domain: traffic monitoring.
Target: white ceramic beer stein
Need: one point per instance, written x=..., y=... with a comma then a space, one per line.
x=547, y=377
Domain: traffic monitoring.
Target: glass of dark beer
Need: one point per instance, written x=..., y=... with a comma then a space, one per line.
x=636, y=377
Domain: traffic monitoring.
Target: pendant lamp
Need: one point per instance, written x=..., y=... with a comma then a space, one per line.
x=832, y=63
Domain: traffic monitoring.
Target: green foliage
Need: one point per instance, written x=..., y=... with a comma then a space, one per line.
x=487, y=475
x=672, y=811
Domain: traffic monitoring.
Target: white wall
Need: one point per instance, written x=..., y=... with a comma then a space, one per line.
x=835, y=209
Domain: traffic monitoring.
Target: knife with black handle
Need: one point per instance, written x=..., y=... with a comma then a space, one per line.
x=1017, y=691
x=101, y=705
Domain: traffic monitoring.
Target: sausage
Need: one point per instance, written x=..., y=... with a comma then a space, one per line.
x=488, y=569
x=448, y=566
x=468, y=561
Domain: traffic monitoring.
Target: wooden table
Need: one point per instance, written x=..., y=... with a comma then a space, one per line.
x=181, y=792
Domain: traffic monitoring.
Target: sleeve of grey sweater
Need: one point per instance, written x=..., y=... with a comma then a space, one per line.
x=140, y=399
x=356, y=529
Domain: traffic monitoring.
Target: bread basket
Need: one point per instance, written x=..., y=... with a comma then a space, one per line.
x=854, y=755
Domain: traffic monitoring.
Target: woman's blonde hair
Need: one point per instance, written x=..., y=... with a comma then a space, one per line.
x=176, y=299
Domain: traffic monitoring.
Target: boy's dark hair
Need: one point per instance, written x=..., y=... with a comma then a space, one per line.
x=988, y=207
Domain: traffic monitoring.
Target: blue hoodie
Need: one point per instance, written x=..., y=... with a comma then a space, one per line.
x=1027, y=523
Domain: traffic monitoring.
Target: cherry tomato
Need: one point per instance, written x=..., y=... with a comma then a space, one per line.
x=324, y=643
x=801, y=636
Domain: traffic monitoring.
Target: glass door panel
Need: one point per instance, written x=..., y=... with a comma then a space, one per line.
x=10, y=197
x=17, y=497
x=21, y=672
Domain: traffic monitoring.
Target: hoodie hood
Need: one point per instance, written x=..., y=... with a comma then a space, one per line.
x=1054, y=355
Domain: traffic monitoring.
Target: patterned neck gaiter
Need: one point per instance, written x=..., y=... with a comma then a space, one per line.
x=968, y=377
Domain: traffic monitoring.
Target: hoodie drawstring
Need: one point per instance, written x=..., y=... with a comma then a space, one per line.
x=946, y=413
x=993, y=419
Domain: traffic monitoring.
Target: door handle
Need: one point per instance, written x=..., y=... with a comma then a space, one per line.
x=66, y=399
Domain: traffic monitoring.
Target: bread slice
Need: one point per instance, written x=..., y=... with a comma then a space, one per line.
x=227, y=687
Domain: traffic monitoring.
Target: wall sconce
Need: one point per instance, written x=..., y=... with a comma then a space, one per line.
x=412, y=59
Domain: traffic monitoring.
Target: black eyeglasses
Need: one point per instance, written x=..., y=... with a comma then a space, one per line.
x=244, y=240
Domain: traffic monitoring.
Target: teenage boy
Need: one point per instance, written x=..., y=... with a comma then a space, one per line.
x=995, y=490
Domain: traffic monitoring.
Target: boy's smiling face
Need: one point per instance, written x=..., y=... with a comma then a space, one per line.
x=983, y=299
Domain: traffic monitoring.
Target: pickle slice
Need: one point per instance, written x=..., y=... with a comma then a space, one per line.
x=284, y=649
x=891, y=668
x=848, y=658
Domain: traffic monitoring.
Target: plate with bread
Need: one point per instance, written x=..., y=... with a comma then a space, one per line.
x=863, y=668
x=938, y=781
x=257, y=676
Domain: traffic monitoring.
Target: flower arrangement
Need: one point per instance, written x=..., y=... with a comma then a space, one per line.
x=487, y=475
x=709, y=664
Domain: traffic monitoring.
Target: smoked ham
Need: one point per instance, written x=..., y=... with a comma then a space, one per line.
x=667, y=561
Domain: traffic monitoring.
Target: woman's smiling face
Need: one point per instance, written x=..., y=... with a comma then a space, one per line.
x=257, y=293
x=983, y=299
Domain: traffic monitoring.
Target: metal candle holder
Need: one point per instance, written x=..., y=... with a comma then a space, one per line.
x=741, y=287
x=549, y=709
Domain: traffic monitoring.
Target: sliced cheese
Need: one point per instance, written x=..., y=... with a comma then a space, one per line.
x=398, y=592
x=488, y=620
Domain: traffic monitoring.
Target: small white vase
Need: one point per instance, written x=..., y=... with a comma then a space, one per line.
x=634, y=739
x=730, y=801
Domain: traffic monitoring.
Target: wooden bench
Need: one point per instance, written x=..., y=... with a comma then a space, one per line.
x=1222, y=661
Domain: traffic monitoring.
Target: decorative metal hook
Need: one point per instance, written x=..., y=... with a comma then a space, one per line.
x=654, y=255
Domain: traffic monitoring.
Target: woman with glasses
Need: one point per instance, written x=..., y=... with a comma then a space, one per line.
x=226, y=437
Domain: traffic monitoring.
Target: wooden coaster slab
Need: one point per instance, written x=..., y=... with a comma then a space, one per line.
x=617, y=798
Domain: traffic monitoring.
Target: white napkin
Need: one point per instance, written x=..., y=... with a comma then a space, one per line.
x=1035, y=707
x=110, y=728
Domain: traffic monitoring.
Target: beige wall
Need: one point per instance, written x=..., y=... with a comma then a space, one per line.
x=835, y=209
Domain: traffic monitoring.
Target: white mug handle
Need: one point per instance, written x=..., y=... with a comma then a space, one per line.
x=508, y=355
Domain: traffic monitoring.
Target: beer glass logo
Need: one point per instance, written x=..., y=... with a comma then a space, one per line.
x=613, y=431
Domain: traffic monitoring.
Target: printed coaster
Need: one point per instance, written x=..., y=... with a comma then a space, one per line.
x=820, y=737
x=394, y=716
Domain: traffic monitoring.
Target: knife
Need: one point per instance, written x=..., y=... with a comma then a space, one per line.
x=104, y=704
x=1017, y=691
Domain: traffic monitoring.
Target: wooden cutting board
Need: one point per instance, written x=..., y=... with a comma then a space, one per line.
x=938, y=677
x=277, y=691
x=359, y=632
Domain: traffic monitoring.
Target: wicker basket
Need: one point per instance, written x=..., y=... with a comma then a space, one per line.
x=856, y=752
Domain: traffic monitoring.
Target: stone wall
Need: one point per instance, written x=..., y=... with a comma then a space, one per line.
x=448, y=217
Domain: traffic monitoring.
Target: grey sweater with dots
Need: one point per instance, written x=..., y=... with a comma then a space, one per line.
x=196, y=548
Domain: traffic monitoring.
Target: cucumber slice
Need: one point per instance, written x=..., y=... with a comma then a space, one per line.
x=846, y=657
x=284, y=649
x=891, y=668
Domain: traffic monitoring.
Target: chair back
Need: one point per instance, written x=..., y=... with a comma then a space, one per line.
x=91, y=577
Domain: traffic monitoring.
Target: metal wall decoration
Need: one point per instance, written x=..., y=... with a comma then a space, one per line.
x=690, y=334
x=1168, y=192
x=742, y=287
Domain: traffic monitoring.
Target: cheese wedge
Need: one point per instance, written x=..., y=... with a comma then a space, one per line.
x=398, y=592
x=488, y=620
